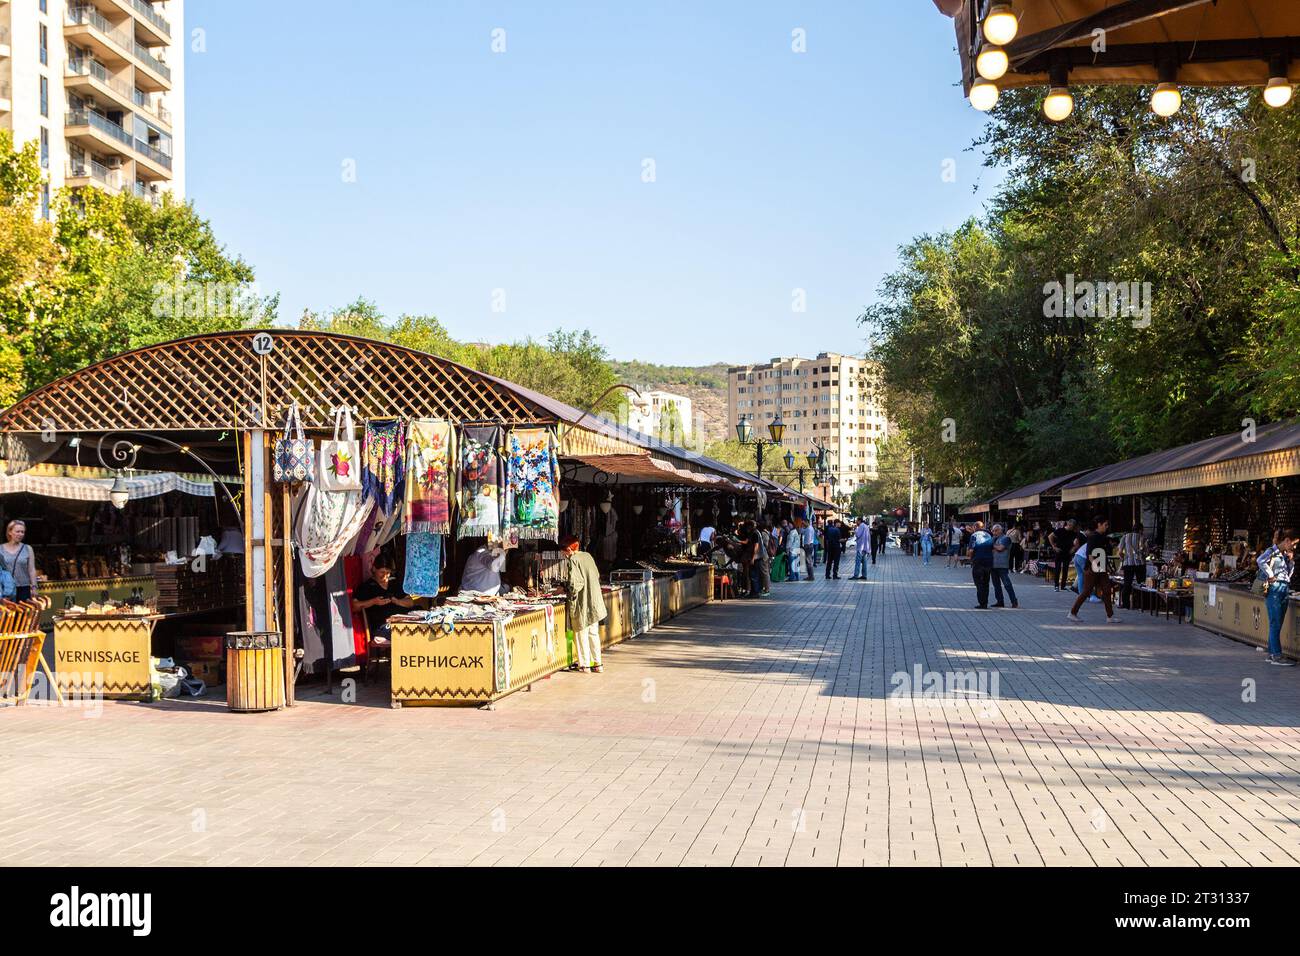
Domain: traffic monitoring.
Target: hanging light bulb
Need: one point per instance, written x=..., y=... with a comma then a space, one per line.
x=983, y=95
x=1059, y=103
x=992, y=63
x=1279, y=91
x=1001, y=25
x=1166, y=100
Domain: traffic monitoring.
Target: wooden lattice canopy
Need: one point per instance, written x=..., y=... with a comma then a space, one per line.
x=220, y=381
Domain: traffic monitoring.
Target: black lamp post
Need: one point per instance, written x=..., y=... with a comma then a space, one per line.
x=745, y=432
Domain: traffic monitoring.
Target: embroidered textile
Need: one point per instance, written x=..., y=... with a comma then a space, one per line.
x=423, y=564
x=383, y=462
x=428, y=476
x=532, y=482
x=480, y=482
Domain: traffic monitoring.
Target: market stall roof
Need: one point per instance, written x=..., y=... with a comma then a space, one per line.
x=1273, y=451
x=1030, y=496
x=980, y=507
x=97, y=489
x=1214, y=42
x=246, y=379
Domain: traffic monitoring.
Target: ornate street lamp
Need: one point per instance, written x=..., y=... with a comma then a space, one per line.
x=745, y=432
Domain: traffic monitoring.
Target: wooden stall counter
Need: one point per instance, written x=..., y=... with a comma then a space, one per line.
x=476, y=662
x=105, y=654
x=1235, y=611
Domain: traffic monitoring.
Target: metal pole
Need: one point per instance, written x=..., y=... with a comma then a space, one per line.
x=911, y=486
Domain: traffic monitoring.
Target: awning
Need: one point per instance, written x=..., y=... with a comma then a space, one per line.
x=1273, y=451
x=97, y=489
x=1030, y=496
x=651, y=468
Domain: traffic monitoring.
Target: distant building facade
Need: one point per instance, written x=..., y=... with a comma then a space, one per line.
x=832, y=400
x=664, y=415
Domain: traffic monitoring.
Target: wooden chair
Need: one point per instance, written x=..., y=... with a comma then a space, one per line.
x=20, y=649
x=376, y=653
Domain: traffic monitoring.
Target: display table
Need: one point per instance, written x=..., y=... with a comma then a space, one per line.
x=1238, y=613
x=108, y=655
x=477, y=662
x=86, y=591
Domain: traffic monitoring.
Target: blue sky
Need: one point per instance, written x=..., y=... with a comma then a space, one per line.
x=523, y=171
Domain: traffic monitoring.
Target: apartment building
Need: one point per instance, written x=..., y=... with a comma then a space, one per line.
x=665, y=415
x=831, y=401
x=99, y=85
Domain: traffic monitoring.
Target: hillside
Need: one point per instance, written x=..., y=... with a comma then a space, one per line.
x=704, y=385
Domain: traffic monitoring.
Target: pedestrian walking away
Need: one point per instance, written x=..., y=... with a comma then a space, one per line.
x=834, y=546
x=1064, y=540
x=1002, y=546
x=1133, y=563
x=808, y=537
x=954, y=543
x=1275, y=567
x=1096, y=576
x=981, y=563
x=861, y=546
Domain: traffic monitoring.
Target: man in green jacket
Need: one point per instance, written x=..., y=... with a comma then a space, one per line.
x=585, y=606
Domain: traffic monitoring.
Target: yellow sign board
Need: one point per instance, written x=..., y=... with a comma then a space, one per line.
x=104, y=657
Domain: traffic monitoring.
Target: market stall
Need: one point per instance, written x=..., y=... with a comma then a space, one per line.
x=442, y=463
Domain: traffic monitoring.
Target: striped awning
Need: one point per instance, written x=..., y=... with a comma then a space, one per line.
x=1031, y=496
x=97, y=489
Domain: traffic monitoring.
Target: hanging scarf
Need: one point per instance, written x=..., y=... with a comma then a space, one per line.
x=428, y=476
x=383, y=462
x=480, y=482
x=533, y=474
x=324, y=524
x=423, y=564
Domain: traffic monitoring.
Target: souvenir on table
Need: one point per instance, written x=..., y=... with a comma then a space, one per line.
x=339, y=461
x=430, y=444
x=383, y=462
x=532, y=480
x=292, y=459
x=480, y=482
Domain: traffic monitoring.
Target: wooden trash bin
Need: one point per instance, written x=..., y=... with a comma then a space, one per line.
x=254, y=671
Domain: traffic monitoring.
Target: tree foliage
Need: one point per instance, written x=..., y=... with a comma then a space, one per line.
x=994, y=391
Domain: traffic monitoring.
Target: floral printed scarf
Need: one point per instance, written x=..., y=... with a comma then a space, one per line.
x=480, y=482
x=429, y=476
x=532, y=484
x=383, y=462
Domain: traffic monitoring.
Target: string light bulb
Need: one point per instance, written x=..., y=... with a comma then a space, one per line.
x=1059, y=103
x=983, y=95
x=992, y=63
x=1166, y=100
x=1278, y=93
x=1001, y=25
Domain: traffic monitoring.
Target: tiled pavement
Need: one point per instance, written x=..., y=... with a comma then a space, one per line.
x=747, y=733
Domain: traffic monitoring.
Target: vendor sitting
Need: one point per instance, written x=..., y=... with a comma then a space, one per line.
x=482, y=574
x=380, y=596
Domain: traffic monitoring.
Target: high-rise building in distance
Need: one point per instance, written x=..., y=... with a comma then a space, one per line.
x=99, y=85
x=831, y=401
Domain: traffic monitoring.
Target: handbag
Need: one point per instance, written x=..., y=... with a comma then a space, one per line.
x=339, y=460
x=8, y=583
x=293, y=459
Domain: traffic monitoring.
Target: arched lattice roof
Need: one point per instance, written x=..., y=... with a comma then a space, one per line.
x=219, y=381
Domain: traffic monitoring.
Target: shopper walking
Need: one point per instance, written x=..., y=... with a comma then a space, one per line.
x=834, y=549
x=1002, y=547
x=1133, y=562
x=1096, y=576
x=1275, y=566
x=766, y=550
x=18, y=560
x=981, y=563
x=861, y=546
x=927, y=543
x=808, y=538
x=954, y=543
x=1063, y=542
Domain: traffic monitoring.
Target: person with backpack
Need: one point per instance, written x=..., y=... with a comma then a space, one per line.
x=17, y=563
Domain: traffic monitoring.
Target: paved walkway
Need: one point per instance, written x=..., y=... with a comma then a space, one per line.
x=747, y=733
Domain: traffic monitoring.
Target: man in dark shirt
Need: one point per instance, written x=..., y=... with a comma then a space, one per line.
x=834, y=548
x=1065, y=540
x=981, y=563
x=1096, y=575
x=380, y=596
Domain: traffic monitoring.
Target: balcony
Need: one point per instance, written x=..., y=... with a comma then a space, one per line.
x=86, y=26
x=100, y=130
x=149, y=22
x=161, y=78
x=142, y=104
x=86, y=72
x=5, y=51
x=92, y=172
x=160, y=160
